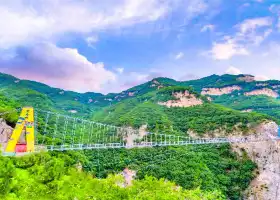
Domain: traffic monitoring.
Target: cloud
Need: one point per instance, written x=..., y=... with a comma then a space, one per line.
x=250, y=25
x=179, y=55
x=59, y=67
x=254, y=31
x=261, y=78
x=24, y=22
x=226, y=50
x=208, y=27
x=248, y=34
x=28, y=21
x=120, y=70
x=233, y=70
x=91, y=40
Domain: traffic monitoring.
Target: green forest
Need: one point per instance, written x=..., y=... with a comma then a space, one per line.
x=202, y=172
x=192, y=172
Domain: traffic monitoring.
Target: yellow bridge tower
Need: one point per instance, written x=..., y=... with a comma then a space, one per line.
x=25, y=122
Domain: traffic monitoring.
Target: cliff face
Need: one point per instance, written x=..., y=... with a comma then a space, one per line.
x=264, y=91
x=5, y=133
x=183, y=99
x=266, y=154
x=220, y=91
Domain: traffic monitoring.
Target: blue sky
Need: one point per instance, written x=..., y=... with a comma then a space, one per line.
x=111, y=45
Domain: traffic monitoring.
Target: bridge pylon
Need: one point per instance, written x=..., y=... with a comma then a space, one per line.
x=24, y=125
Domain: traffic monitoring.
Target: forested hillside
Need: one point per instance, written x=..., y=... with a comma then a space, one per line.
x=24, y=92
x=161, y=105
x=203, y=118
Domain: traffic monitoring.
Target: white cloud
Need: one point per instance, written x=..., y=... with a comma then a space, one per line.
x=207, y=27
x=28, y=21
x=233, y=70
x=120, y=70
x=261, y=78
x=195, y=7
x=91, y=40
x=247, y=35
x=61, y=67
x=179, y=55
x=250, y=25
x=226, y=50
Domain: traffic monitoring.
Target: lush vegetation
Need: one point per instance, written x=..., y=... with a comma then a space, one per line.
x=204, y=172
x=47, y=177
x=260, y=104
x=210, y=168
x=201, y=119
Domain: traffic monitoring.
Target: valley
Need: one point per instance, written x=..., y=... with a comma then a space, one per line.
x=210, y=107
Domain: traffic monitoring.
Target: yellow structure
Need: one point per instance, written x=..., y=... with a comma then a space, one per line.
x=25, y=122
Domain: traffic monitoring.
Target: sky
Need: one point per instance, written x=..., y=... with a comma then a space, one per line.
x=112, y=45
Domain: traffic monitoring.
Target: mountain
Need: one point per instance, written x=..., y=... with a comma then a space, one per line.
x=210, y=106
x=239, y=92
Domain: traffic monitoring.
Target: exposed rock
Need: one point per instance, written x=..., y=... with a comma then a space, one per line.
x=156, y=82
x=264, y=91
x=131, y=94
x=90, y=100
x=220, y=91
x=182, y=100
x=5, y=133
x=246, y=78
x=17, y=81
x=266, y=155
x=73, y=111
x=129, y=176
x=247, y=110
x=61, y=92
x=132, y=135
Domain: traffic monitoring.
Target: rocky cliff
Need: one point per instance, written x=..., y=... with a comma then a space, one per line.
x=183, y=99
x=266, y=155
x=5, y=133
x=220, y=91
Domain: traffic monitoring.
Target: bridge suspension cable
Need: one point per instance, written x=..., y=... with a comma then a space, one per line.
x=58, y=132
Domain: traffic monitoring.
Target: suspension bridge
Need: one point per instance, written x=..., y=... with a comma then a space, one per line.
x=39, y=130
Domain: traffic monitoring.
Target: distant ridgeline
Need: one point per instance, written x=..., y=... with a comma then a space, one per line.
x=239, y=92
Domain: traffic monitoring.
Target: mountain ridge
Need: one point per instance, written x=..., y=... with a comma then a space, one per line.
x=38, y=94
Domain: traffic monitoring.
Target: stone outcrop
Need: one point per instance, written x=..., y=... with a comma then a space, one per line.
x=183, y=99
x=73, y=111
x=5, y=133
x=246, y=78
x=247, y=110
x=133, y=135
x=266, y=154
x=129, y=176
x=220, y=91
x=264, y=91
